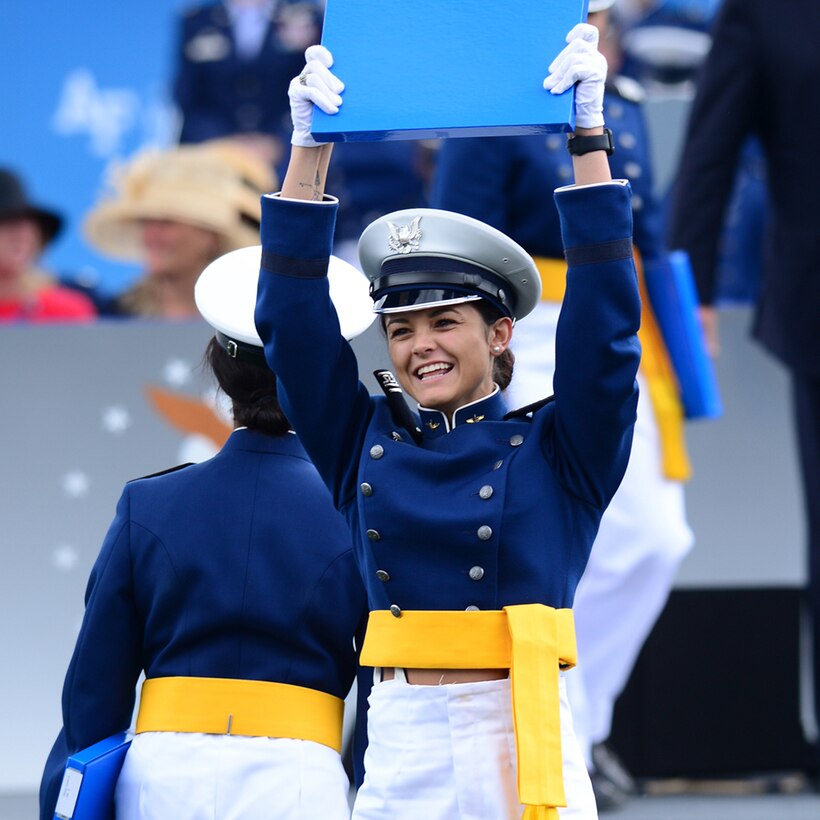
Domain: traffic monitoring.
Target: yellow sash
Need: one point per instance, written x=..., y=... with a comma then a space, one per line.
x=531, y=640
x=225, y=706
x=655, y=366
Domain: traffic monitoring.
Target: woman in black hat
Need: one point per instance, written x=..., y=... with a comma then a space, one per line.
x=471, y=524
x=27, y=293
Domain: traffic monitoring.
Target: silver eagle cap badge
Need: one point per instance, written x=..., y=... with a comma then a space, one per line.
x=404, y=238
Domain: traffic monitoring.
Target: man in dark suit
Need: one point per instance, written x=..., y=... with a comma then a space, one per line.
x=761, y=77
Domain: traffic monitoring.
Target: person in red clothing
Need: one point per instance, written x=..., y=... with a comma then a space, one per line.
x=28, y=294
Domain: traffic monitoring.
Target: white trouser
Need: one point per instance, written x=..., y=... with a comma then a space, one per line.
x=220, y=777
x=642, y=539
x=448, y=753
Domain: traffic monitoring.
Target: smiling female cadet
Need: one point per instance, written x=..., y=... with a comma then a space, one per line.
x=471, y=532
x=232, y=585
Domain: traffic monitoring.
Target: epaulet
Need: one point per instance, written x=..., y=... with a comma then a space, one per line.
x=164, y=472
x=627, y=88
x=528, y=408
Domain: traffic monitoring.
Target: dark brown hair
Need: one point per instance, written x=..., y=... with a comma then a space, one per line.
x=503, y=363
x=251, y=389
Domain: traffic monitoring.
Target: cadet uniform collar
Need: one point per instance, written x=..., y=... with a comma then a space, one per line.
x=242, y=438
x=435, y=423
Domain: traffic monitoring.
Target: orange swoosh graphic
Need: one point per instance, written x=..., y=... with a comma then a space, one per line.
x=188, y=415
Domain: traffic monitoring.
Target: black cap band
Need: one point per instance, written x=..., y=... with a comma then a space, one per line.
x=432, y=274
x=250, y=354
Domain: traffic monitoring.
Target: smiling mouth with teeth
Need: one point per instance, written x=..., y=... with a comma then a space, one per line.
x=432, y=370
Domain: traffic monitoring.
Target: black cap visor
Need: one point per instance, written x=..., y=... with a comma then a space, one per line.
x=429, y=281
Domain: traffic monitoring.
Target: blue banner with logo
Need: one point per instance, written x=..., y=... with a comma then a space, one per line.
x=85, y=84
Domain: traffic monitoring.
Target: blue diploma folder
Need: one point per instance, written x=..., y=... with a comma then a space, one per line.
x=446, y=68
x=672, y=292
x=87, y=790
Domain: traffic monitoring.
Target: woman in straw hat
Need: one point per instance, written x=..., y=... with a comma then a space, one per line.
x=232, y=585
x=175, y=211
x=471, y=524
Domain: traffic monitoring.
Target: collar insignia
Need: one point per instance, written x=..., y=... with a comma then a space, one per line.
x=404, y=238
x=475, y=419
x=433, y=425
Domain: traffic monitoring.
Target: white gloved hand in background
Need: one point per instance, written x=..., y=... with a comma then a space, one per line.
x=316, y=84
x=581, y=62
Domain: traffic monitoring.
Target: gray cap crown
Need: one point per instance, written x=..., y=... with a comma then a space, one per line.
x=405, y=238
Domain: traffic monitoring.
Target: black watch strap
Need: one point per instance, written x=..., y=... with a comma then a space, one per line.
x=584, y=144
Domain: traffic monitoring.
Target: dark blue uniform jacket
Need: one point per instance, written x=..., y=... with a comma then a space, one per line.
x=520, y=499
x=238, y=567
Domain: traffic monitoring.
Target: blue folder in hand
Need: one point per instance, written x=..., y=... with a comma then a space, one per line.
x=672, y=292
x=87, y=790
x=446, y=68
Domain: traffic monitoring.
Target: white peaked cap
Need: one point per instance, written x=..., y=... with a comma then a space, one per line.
x=225, y=295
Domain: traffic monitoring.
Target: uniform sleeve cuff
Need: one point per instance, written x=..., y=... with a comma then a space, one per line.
x=598, y=214
x=297, y=228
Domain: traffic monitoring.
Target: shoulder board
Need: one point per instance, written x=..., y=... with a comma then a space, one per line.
x=626, y=88
x=164, y=472
x=528, y=408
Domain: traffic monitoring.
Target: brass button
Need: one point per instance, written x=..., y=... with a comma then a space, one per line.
x=485, y=533
x=376, y=451
x=472, y=608
x=395, y=610
x=476, y=573
x=383, y=575
x=366, y=489
x=485, y=492
x=374, y=535
x=516, y=440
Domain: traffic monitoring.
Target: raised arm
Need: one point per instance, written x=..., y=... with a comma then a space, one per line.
x=322, y=395
x=597, y=350
x=582, y=65
x=306, y=174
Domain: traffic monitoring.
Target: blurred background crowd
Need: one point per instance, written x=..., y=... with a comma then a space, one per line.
x=105, y=138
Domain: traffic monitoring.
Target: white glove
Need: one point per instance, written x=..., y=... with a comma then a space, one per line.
x=316, y=84
x=581, y=62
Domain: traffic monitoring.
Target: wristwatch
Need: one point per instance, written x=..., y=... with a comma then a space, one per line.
x=580, y=145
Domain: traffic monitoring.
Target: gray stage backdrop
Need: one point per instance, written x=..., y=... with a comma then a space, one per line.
x=78, y=421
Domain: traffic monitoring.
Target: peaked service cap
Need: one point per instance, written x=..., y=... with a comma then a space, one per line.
x=422, y=257
x=225, y=295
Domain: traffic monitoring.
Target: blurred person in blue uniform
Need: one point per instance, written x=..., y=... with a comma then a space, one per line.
x=472, y=525
x=235, y=59
x=760, y=79
x=374, y=178
x=664, y=44
x=665, y=41
x=644, y=534
x=174, y=211
x=232, y=585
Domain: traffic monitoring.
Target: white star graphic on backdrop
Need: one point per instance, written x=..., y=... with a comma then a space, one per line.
x=75, y=484
x=64, y=557
x=177, y=372
x=116, y=419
